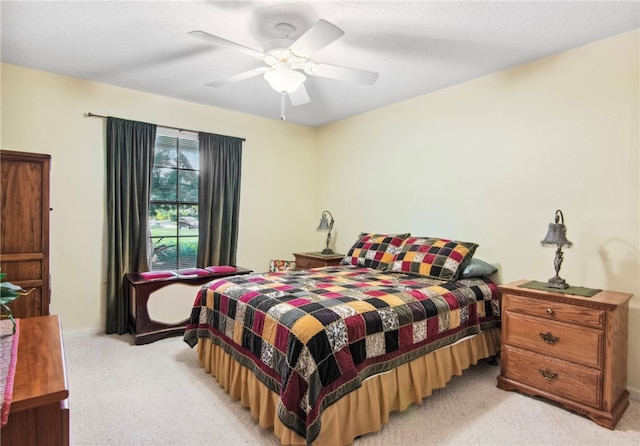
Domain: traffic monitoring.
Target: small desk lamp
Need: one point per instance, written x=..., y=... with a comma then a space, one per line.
x=557, y=236
x=326, y=225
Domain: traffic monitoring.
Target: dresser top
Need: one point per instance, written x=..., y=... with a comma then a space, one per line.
x=41, y=375
x=604, y=297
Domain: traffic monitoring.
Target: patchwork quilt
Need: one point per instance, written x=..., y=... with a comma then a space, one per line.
x=314, y=335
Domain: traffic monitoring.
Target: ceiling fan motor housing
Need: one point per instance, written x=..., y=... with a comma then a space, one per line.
x=278, y=51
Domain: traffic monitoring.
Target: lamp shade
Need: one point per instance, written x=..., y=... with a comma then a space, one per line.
x=557, y=233
x=324, y=224
x=284, y=80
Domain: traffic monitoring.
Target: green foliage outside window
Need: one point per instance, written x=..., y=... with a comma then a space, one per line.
x=173, y=211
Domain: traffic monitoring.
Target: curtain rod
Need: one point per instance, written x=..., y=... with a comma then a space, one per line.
x=93, y=115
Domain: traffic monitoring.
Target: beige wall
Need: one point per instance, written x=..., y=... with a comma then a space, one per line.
x=492, y=159
x=487, y=161
x=43, y=112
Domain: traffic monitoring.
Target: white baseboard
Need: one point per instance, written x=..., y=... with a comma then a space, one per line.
x=634, y=394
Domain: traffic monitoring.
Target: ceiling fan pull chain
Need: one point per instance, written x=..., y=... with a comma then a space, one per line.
x=282, y=104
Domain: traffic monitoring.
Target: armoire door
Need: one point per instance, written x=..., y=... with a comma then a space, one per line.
x=24, y=228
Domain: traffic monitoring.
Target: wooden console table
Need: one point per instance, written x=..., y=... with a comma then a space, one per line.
x=146, y=330
x=39, y=413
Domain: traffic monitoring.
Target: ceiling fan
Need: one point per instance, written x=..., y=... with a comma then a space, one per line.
x=287, y=61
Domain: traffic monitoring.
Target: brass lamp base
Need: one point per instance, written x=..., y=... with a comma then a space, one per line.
x=557, y=282
x=327, y=251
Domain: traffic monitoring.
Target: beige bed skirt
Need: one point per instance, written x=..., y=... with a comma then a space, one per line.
x=362, y=411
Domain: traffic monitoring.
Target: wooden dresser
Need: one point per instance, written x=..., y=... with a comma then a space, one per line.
x=569, y=349
x=306, y=260
x=39, y=412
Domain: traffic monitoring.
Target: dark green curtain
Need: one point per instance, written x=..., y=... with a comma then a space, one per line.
x=130, y=148
x=219, y=199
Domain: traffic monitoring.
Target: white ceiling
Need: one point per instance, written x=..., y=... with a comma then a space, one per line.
x=416, y=46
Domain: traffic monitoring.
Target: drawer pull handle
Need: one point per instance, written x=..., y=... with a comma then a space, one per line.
x=549, y=311
x=548, y=338
x=548, y=375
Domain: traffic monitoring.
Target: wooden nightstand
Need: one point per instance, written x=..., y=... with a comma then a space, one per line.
x=569, y=349
x=305, y=260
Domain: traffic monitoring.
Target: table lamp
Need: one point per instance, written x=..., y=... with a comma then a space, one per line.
x=557, y=236
x=326, y=224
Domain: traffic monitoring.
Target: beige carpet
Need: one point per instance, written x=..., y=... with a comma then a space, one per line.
x=157, y=394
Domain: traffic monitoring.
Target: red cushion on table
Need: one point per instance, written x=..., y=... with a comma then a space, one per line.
x=151, y=275
x=221, y=269
x=192, y=272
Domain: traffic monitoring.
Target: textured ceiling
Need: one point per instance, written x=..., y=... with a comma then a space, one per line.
x=416, y=46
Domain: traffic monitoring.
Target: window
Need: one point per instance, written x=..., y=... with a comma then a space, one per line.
x=173, y=208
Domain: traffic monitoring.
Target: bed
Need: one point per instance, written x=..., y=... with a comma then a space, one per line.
x=326, y=354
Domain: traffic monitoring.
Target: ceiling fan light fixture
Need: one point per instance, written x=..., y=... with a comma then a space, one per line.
x=287, y=63
x=284, y=81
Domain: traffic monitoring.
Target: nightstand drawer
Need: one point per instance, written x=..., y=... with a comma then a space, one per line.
x=302, y=263
x=573, y=314
x=563, y=341
x=581, y=384
x=306, y=260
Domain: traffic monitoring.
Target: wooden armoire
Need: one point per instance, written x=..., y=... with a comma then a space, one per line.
x=24, y=228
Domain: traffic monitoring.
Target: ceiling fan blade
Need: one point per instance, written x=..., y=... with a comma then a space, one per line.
x=341, y=73
x=300, y=96
x=219, y=41
x=317, y=37
x=238, y=77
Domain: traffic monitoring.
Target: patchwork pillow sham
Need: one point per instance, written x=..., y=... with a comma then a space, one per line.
x=433, y=257
x=374, y=250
